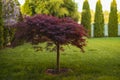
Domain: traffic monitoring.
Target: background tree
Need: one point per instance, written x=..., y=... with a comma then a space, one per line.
x=99, y=20
x=92, y=16
x=113, y=20
x=86, y=16
x=43, y=28
x=59, y=8
x=72, y=9
x=28, y=8
x=1, y=27
x=11, y=14
x=119, y=17
x=106, y=16
x=55, y=8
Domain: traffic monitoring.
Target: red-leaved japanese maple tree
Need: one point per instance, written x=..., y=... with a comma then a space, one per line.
x=44, y=28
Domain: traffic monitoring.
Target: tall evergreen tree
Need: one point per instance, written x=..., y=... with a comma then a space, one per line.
x=86, y=16
x=113, y=20
x=99, y=20
x=1, y=27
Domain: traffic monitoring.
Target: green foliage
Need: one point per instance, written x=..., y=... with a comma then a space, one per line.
x=99, y=20
x=1, y=26
x=58, y=8
x=28, y=8
x=100, y=62
x=119, y=17
x=106, y=16
x=86, y=17
x=113, y=20
x=92, y=16
x=6, y=36
x=52, y=7
x=72, y=8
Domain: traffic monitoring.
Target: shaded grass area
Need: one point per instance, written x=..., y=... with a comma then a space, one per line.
x=101, y=61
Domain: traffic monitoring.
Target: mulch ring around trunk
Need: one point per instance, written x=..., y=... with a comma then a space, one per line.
x=55, y=72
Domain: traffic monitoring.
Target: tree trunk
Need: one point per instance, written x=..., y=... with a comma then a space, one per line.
x=58, y=57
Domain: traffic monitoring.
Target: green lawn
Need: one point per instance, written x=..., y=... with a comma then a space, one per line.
x=101, y=61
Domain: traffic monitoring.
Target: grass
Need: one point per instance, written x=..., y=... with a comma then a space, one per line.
x=101, y=61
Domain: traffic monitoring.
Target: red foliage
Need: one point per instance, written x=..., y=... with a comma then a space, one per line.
x=41, y=28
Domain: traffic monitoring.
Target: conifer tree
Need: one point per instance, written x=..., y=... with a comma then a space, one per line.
x=99, y=20
x=86, y=16
x=113, y=20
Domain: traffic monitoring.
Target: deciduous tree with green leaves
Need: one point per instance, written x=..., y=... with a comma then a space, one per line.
x=86, y=16
x=72, y=8
x=28, y=8
x=113, y=20
x=58, y=8
x=99, y=20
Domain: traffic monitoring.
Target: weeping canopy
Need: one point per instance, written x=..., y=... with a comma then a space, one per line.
x=44, y=28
